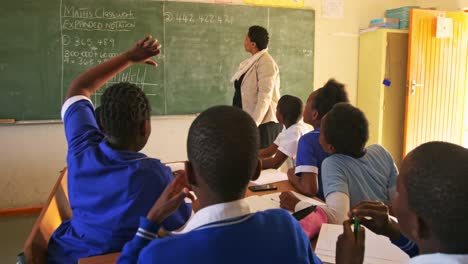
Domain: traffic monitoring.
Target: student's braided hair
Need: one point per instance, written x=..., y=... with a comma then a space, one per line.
x=123, y=107
x=330, y=94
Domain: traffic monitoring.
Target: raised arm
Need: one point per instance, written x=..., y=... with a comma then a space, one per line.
x=91, y=80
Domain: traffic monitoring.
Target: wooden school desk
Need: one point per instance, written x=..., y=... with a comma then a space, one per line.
x=112, y=258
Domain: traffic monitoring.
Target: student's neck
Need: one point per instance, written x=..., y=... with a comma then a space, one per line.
x=287, y=125
x=114, y=144
x=315, y=124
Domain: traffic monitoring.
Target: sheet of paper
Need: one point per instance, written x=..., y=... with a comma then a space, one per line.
x=261, y=203
x=379, y=249
x=333, y=9
x=275, y=198
x=271, y=176
x=176, y=166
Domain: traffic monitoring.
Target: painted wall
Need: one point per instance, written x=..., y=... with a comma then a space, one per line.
x=32, y=155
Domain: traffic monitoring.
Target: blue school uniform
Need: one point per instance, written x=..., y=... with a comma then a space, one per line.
x=310, y=156
x=224, y=233
x=108, y=190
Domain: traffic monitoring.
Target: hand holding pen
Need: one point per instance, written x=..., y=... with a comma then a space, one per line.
x=350, y=245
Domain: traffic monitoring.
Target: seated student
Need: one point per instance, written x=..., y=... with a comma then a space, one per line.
x=110, y=183
x=352, y=173
x=289, y=114
x=223, y=157
x=306, y=177
x=430, y=205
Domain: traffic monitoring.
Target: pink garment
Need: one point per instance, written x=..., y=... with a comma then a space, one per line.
x=311, y=224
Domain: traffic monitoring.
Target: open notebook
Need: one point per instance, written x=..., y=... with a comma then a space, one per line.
x=379, y=249
x=272, y=201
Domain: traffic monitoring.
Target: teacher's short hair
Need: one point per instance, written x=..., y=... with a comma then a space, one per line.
x=259, y=35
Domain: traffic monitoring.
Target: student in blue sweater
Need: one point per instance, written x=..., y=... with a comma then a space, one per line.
x=306, y=177
x=222, y=148
x=110, y=183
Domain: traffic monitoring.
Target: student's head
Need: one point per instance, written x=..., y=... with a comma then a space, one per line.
x=344, y=130
x=222, y=147
x=289, y=110
x=322, y=100
x=256, y=39
x=432, y=200
x=97, y=114
x=125, y=116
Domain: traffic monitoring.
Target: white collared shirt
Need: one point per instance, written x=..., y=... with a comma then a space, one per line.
x=215, y=213
x=438, y=258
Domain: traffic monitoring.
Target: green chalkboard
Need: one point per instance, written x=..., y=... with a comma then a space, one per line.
x=45, y=44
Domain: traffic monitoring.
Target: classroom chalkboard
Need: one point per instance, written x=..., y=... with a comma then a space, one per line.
x=45, y=44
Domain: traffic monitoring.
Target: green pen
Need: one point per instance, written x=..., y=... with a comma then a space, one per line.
x=356, y=227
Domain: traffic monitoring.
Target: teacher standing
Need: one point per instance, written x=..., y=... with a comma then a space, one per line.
x=257, y=84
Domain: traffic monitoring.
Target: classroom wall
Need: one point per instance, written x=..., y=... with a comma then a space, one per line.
x=33, y=155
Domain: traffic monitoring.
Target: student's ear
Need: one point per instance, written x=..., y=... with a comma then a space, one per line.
x=331, y=148
x=145, y=128
x=258, y=170
x=190, y=173
x=315, y=114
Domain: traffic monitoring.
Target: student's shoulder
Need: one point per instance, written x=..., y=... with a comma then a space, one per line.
x=378, y=151
x=311, y=136
x=76, y=102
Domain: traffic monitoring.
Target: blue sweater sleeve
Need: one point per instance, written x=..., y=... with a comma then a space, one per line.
x=408, y=246
x=147, y=232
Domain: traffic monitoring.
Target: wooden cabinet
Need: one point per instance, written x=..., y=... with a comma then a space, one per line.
x=383, y=55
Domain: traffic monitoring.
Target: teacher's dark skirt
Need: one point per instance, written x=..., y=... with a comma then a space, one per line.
x=268, y=133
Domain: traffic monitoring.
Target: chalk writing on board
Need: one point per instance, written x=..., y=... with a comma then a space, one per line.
x=190, y=18
x=78, y=41
x=70, y=11
x=307, y=52
x=97, y=19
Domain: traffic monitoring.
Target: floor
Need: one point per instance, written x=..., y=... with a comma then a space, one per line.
x=14, y=231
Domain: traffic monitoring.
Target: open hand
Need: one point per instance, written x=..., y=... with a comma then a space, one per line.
x=143, y=50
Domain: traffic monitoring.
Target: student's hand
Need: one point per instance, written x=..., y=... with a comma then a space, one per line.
x=350, y=250
x=375, y=216
x=143, y=50
x=291, y=173
x=171, y=198
x=288, y=201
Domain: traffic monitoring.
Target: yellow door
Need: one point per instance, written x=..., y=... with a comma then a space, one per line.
x=437, y=80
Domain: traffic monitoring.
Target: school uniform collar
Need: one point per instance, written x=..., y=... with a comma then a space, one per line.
x=216, y=213
x=316, y=130
x=120, y=155
x=439, y=258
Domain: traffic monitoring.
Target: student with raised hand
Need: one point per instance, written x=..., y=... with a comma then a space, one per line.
x=306, y=177
x=431, y=203
x=289, y=114
x=353, y=173
x=222, y=148
x=110, y=184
